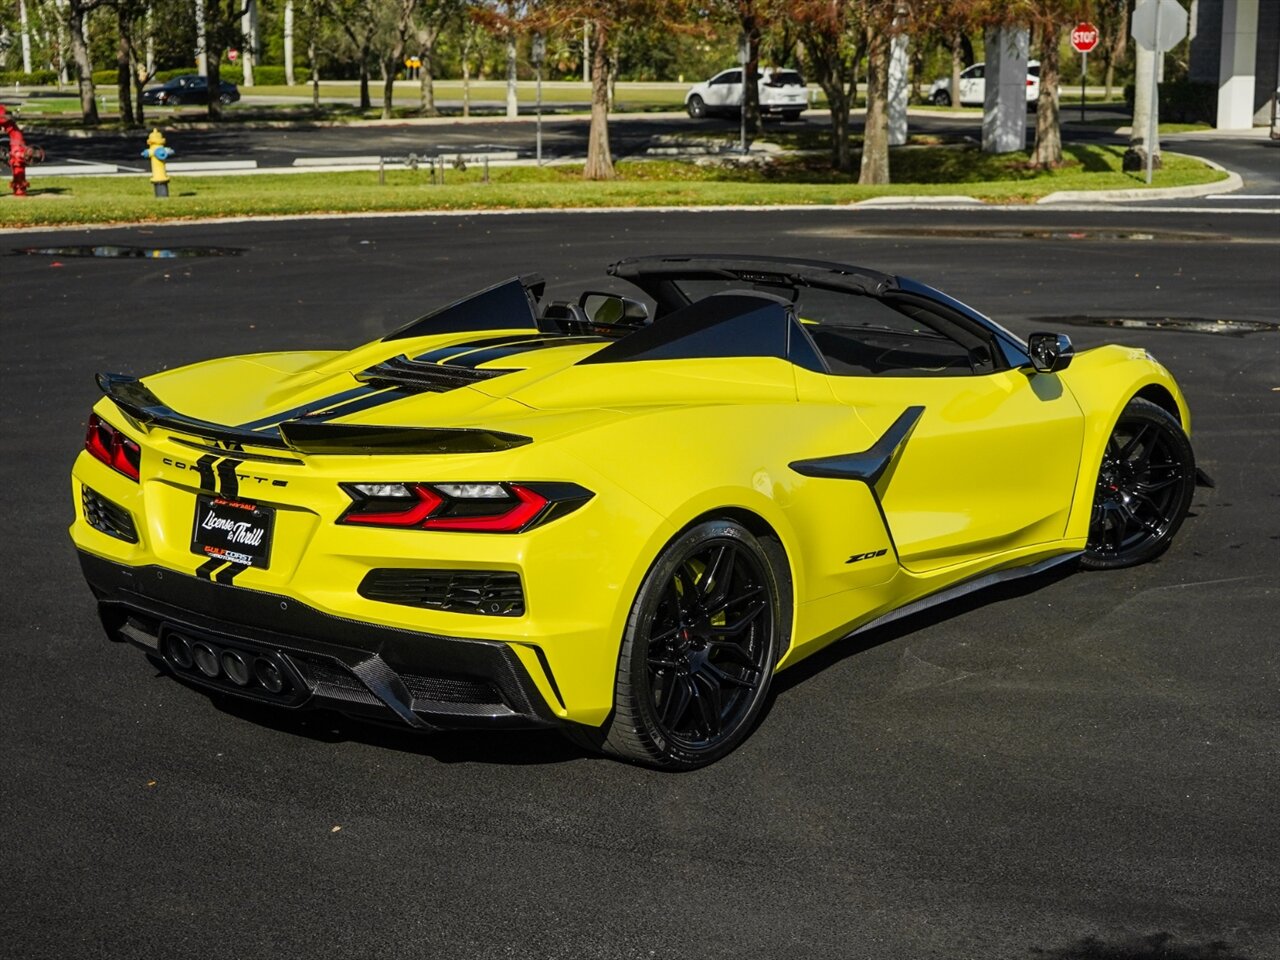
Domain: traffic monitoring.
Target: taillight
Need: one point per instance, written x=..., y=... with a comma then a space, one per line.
x=464, y=507
x=112, y=447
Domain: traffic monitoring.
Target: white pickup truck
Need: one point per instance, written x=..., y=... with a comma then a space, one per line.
x=781, y=92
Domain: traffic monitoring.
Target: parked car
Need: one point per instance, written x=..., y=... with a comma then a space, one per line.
x=188, y=88
x=619, y=516
x=781, y=92
x=973, y=86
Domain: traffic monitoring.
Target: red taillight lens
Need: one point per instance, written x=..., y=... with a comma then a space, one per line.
x=462, y=507
x=112, y=447
x=417, y=507
x=528, y=505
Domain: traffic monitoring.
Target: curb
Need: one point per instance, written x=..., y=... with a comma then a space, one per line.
x=1232, y=183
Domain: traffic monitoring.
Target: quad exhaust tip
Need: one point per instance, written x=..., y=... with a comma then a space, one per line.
x=239, y=668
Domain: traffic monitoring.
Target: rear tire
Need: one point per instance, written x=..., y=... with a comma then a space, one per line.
x=1145, y=484
x=697, y=107
x=705, y=633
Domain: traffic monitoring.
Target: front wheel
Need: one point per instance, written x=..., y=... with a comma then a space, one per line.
x=224, y=98
x=699, y=651
x=942, y=99
x=1145, y=484
x=697, y=107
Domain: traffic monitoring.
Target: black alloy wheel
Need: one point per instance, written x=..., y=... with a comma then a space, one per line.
x=1145, y=484
x=224, y=98
x=697, y=107
x=698, y=655
x=942, y=99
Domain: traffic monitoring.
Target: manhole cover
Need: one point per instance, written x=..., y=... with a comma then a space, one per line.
x=1233, y=328
x=125, y=251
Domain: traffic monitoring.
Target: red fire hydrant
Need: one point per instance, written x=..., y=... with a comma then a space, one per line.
x=18, y=154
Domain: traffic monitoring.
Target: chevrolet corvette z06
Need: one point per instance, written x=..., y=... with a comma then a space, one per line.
x=616, y=515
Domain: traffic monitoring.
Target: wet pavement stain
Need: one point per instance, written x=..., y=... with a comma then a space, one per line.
x=112, y=251
x=1231, y=328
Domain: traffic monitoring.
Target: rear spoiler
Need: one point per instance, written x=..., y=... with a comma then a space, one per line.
x=317, y=437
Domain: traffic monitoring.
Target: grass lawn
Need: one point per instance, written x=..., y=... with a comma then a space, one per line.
x=793, y=180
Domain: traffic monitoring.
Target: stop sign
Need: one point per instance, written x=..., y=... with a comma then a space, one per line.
x=1084, y=37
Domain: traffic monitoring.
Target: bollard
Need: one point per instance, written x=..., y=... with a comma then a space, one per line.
x=18, y=155
x=158, y=153
x=486, y=168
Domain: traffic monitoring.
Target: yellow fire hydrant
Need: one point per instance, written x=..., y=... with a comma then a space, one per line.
x=158, y=153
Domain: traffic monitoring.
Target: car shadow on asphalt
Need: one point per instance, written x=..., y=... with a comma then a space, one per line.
x=536, y=747
x=502, y=747
x=1154, y=946
x=877, y=636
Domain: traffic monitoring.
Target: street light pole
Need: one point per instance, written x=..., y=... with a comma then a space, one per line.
x=539, y=53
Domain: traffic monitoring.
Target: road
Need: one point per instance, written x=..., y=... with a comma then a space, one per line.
x=1080, y=767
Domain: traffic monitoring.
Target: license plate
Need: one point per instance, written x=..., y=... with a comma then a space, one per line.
x=233, y=530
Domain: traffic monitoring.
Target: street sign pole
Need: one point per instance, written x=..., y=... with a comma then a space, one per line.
x=1155, y=98
x=1084, y=72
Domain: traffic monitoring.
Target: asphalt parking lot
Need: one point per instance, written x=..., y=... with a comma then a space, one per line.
x=1083, y=766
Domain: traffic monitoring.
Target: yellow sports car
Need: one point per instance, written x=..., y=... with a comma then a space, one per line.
x=615, y=515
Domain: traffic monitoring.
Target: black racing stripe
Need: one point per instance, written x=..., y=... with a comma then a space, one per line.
x=443, y=353
x=473, y=360
x=229, y=573
x=205, y=466
x=228, y=485
x=375, y=400
x=205, y=570
x=323, y=403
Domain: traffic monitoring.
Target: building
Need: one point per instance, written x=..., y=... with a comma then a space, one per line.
x=1235, y=44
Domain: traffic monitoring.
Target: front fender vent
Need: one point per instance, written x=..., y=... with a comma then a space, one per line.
x=492, y=593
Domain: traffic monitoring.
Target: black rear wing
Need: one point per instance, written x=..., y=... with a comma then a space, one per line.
x=301, y=436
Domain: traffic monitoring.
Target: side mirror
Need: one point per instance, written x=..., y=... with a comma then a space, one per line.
x=1050, y=352
x=613, y=310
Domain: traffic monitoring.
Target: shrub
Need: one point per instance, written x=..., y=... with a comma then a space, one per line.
x=36, y=78
x=1183, y=101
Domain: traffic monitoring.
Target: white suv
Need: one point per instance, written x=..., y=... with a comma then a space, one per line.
x=973, y=86
x=781, y=91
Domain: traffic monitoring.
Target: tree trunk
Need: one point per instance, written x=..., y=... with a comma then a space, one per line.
x=1048, y=129
x=839, y=101
x=513, y=107
x=365, y=102
x=875, y=138
x=289, y=78
x=599, y=161
x=124, y=85
x=215, y=79
x=1048, y=148
x=84, y=66
x=466, y=74
x=751, y=74
x=427, y=77
x=957, y=65
x=1117, y=47
x=312, y=60
x=249, y=49
x=389, y=79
